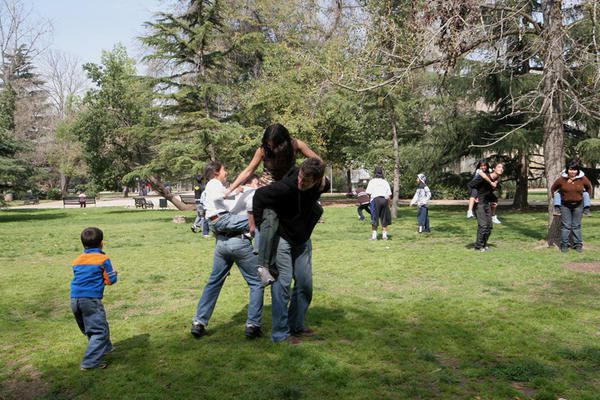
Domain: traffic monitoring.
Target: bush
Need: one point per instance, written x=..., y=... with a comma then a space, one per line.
x=54, y=194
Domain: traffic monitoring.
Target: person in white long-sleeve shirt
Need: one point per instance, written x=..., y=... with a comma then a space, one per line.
x=218, y=207
x=381, y=193
x=421, y=199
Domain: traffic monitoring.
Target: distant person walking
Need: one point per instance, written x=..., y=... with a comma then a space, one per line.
x=381, y=193
x=571, y=189
x=82, y=200
x=421, y=199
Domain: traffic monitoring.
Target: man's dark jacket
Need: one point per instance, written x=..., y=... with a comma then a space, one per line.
x=298, y=211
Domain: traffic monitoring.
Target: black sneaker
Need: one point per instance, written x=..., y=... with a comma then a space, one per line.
x=579, y=249
x=556, y=211
x=198, y=330
x=564, y=249
x=253, y=332
x=587, y=212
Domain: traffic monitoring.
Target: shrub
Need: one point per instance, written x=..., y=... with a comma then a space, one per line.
x=54, y=194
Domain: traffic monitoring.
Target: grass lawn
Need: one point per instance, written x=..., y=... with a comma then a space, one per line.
x=416, y=317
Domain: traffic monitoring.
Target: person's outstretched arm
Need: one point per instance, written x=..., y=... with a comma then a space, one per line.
x=249, y=170
x=305, y=150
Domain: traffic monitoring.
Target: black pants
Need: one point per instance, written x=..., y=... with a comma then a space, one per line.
x=361, y=207
x=483, y=213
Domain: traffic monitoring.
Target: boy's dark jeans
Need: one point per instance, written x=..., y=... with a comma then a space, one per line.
x=91, y=318
x=483, y=213
x=360, y=208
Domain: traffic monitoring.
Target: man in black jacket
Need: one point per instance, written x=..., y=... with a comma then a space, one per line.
x=483, y=211
x=295, y=201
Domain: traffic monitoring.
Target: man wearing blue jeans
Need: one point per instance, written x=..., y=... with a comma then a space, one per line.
x=294, y=200
x=229, y=249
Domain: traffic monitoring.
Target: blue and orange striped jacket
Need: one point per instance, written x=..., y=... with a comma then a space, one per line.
x=92, y=270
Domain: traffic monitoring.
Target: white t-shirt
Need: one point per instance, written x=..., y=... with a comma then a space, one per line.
x=215, y=202
x=379, y=187
x=243, y=201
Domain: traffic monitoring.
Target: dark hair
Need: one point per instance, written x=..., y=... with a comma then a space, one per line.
x=279, y=153
x=573, y=164
x=91, y=237
x=481, y=162
x=250, y=179
x=378, y=172
x=313, y=168
x=212, y=168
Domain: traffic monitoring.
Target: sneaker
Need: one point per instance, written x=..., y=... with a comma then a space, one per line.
x=307, y=332
x=495, y=220
x=482, y=249
x=556, y=211
x=194, y=229
x=587, y=212
x=198, y=330
x=205, y=236
x=253, y=332
x=579, y=249
x=293, y=340
x=564, y=249
x=384, y=238
x=265, y=276
x=470, y=214
x=101, y=365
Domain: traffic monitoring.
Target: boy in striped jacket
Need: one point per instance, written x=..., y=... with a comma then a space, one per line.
x=92, y=270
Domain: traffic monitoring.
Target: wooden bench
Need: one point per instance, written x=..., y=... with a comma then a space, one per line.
x=74, y=201
x=187, y=198
x=142, y=202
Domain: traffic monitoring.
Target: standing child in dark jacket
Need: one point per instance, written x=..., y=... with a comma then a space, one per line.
x=92, y=270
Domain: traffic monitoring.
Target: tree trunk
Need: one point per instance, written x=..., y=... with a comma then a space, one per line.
x=396, y=184
x=64, y=184
x=520, y=200
x=349, y=180
x=166, y=193
x=552, y=108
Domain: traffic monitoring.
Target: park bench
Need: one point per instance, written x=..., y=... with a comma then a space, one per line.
x=74, y=201
x=31, y=200
x=187, y=198
x=142, y=202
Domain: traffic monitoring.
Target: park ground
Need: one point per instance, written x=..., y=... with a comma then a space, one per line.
x=416, y=317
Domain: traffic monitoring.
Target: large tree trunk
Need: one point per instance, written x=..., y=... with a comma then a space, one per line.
x=553, y=106
x=166, y=193
x=349, y=180
x=396, y=183
x=64, y=184
x=520, y=200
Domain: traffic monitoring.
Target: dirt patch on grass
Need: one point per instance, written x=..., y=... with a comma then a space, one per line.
x=525, y=389
x=590, y=267
x=27, y=384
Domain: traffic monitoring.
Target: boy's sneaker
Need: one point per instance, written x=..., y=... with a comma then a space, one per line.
x=587, y=212
x=470, y=214
x=265, y=276
x=194, y=229
x=101, y=365
x=556, y=211
x=579, y=249
x=495, y=220
x=198, y=330
x=253, y=332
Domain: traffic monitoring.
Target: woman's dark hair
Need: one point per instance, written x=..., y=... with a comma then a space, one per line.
x=573, y=164
x=278, y=148
x=481, y=162
x=91, y=238
x=211, y=169
x=378, y=172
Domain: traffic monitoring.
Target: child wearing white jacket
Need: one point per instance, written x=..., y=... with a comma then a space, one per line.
x=421, y=198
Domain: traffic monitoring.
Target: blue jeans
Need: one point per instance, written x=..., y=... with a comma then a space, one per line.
x=227, y=251
x=230, y=224
x=200, y=219
x=289, y=310
x=423, y=218
x=570, y=218
x=587, y=202
x=91, y=318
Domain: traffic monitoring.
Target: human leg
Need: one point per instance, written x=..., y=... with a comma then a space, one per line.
x=566, y=221
x=246, y=261
x=421, y=214
x=576, y=227
x=303, y=287
x=269, y=238
x=230, y=224
x=557, y=202
x=587, y=202
x=484, y=225
x=280, y=291
x=96, y=329
x=222, y=263
x=470, y=208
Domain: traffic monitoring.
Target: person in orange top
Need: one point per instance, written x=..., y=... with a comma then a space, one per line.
x=571, y=190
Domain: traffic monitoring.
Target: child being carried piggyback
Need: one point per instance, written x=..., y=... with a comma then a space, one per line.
x=483, y=171
x=92, y=270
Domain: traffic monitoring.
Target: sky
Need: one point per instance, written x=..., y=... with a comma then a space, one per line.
x=83, y=28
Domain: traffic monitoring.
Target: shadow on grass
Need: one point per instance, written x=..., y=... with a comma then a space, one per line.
x=525, y=231
x=28, y=215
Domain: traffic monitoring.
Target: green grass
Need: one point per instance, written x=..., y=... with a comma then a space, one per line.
x=416, y=317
